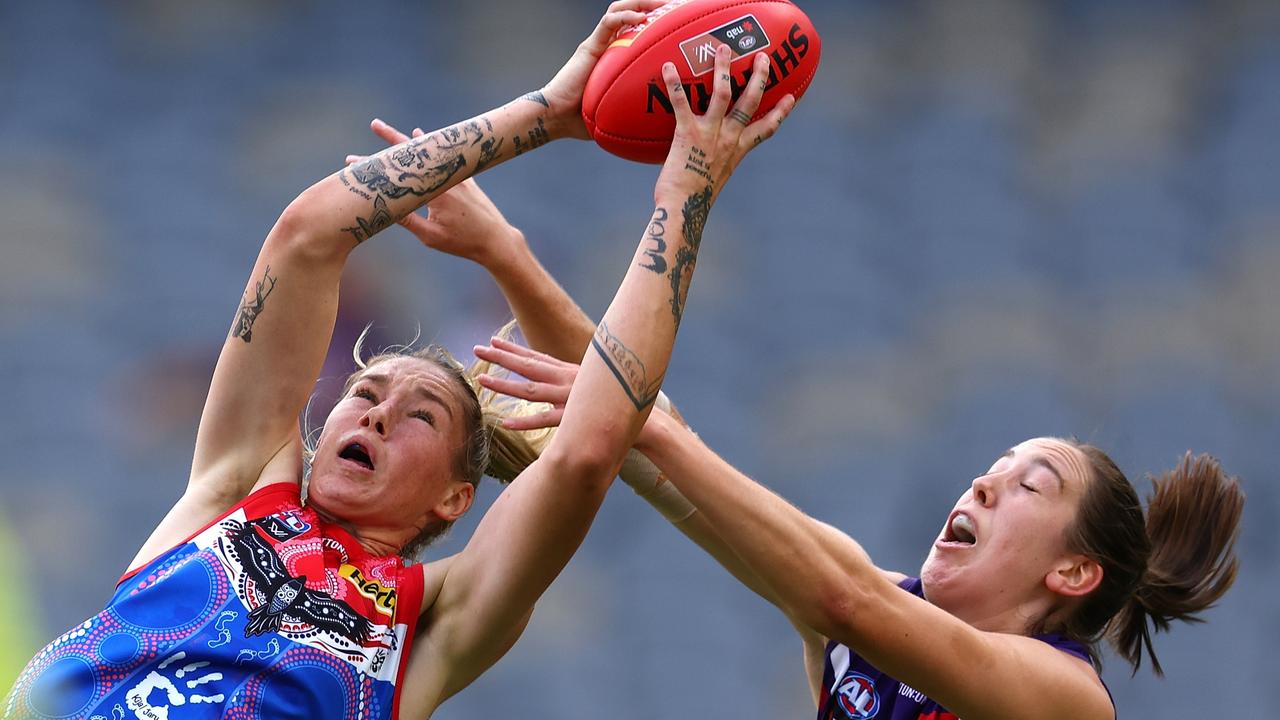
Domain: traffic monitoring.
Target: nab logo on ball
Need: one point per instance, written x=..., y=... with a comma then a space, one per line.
x=857, y=696
x=627, y=107
x=742, y=34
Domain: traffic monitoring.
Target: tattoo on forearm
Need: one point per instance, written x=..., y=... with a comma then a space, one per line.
x=377, y=222
x=489, y=150
x=697, y=163
x=347, y=183
x=656, y=253
x=251, y=309
x=627, y=367
x=695, y=212
x=537, y=138
x=424, y=164
x=538, y=97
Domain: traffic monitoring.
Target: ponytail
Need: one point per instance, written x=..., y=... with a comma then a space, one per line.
x=510, y=451
x=1169, y=565
x=1193, y=519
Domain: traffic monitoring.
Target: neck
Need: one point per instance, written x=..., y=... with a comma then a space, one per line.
x=380, y=542
x=994, y=611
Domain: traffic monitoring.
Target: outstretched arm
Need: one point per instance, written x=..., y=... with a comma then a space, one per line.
x=248, y=432
x=534, y=527
x=825, y=580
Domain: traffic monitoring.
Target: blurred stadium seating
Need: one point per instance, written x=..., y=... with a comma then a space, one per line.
x=986, y=221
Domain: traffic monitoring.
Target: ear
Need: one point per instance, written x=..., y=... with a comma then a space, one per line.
x=457, y=502
x=1074, y=576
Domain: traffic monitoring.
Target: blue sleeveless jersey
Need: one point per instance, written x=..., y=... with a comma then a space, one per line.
x=853, y=689
x=267, y=614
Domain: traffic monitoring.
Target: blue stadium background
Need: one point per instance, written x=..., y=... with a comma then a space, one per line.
x=986, y=221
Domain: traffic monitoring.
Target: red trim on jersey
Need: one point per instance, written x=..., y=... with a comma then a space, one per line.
x=412, y=582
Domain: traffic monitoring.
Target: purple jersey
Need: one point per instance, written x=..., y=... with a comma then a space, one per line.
x=853, y=689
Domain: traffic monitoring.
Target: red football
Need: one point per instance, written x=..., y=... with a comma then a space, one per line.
x=625, y=104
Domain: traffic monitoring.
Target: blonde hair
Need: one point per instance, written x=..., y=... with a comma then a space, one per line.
x=488, y=447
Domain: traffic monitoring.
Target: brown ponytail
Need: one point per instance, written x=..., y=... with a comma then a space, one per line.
x=1193, y=518
x=1174, y=564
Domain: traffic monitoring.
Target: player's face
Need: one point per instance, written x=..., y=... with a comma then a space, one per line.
x=387, y=455
x=1008, y=532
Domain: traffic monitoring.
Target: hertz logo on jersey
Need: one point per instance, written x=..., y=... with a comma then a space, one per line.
x=384, y=598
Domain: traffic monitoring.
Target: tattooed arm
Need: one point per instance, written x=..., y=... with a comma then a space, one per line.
x=466, y=223
x=532, y=530
x=248, y=434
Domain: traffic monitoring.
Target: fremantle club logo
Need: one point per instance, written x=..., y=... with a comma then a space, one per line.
x=743, y=36
x=856, y=694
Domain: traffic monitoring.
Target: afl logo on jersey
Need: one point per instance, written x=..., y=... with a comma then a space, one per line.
x=857, y=696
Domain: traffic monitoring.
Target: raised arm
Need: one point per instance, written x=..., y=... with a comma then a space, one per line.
x=466, y=223
x=269, y=361
x=534, y=527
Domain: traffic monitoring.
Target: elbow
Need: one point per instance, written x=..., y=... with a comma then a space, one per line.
x=840, y=609
x=589, y=465
x=296, y=235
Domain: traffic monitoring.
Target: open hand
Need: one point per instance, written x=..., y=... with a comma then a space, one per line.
x=548, y=380
x=707, y=148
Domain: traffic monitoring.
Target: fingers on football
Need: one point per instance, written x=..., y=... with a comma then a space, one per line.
x=619, y=15
x=720, y=85
x=764, y=128
x=675, y=91
x=749, y=103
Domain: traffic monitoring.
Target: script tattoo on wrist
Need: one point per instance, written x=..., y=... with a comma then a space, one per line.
x=656, y=253
x=627, y=367
x=697, y=163
x=377, y=222
x=538, y=137
x=695, y=212
x=251, y=309
x=538, y=97
x=342, y=176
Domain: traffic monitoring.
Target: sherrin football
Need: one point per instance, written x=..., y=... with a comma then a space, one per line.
x=625, y=105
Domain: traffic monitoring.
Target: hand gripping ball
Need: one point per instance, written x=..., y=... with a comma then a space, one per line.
x=625, y=105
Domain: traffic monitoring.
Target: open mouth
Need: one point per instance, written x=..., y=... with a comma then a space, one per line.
x=960, y=530
x=356, y=453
